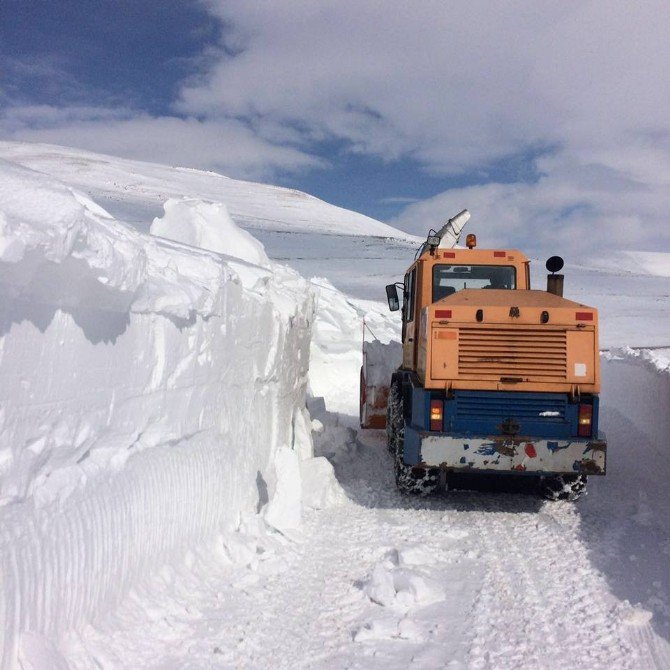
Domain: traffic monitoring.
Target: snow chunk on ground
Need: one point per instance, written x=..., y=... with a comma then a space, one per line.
x=392, y=586
x=320, y=488
x=284, y=510
x=634, y=615
x=207, y=225
x=415, y=555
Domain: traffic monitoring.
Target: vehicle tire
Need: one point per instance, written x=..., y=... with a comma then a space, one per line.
x=563, y=487
x=410, y=480
x=416, y=481
x=395, y=424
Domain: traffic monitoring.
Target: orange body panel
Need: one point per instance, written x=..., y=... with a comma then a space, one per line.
x=424, y=265
x=499, y=339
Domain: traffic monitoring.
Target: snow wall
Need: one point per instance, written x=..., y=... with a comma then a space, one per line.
x=635, y=406
x=145, y=388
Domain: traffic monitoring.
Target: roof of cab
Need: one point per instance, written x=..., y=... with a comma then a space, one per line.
x=476, y=256
x=503, y=297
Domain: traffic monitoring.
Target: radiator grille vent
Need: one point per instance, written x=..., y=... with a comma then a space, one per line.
x=534, y=354
x=519, y=405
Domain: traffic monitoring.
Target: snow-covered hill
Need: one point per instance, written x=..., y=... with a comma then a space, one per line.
x=168, y=501
x=134, y=191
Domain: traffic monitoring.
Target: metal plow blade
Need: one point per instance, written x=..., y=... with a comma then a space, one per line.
x=379, y=362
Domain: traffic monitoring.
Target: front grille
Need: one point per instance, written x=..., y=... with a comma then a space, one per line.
x=534, y=354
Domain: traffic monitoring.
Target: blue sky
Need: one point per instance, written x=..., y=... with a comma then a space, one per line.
x=545, y=119
x=137, y=53
x=119, y=51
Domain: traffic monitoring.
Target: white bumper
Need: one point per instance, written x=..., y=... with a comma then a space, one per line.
x=501, y=453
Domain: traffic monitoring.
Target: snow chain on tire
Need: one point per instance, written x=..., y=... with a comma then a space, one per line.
x=395, y=426
x=563, y=487
x=409, y=480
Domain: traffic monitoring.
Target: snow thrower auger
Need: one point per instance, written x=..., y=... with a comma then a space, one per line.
x=491, y=378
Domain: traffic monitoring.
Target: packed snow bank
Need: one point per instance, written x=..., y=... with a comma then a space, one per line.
x=336, y=354
x=207, y=225
x=145, y=389
x=626, y=515
x=636, y=403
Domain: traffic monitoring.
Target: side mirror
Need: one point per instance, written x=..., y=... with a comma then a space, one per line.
x=392, y=297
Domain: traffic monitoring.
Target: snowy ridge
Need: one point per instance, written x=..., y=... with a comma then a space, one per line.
x=655, y=263
x=128, y=431
x=139, y=189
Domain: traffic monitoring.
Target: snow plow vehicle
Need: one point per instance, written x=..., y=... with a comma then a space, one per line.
x=495, y=379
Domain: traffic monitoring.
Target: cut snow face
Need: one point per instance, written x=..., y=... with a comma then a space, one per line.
x=207, y=225
x=284, y=510
x=146, y=388
x=337, y=344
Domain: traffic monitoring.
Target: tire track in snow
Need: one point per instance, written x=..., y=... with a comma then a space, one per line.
x=542, y=604
x=519, y=590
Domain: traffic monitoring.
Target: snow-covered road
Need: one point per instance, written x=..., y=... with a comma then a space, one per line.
x=463, y=580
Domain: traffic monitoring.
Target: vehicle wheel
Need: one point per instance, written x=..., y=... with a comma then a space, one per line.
x=409, y=480
x=415, y=481
x=395, y=424
x=563, y=487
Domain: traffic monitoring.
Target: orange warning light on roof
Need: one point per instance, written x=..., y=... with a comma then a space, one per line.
x=471, y=241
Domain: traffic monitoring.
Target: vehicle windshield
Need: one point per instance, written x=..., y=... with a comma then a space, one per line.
x=448, y=279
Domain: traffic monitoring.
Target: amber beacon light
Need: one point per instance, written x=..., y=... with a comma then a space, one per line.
x=471, y=241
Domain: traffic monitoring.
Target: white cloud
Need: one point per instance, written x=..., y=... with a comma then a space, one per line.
x=227, y=145
x=17, y=119
x=577, y=210
x=454, y=84
x=459, y=86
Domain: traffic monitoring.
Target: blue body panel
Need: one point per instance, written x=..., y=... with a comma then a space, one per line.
x=482, y=412
x=480, y=415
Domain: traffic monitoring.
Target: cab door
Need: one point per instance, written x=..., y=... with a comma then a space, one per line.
x=409, y=327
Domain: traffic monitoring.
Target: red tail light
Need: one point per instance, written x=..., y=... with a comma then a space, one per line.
x=584, y=316
x=436, y=414
x=443, y=314
x=584, y=428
